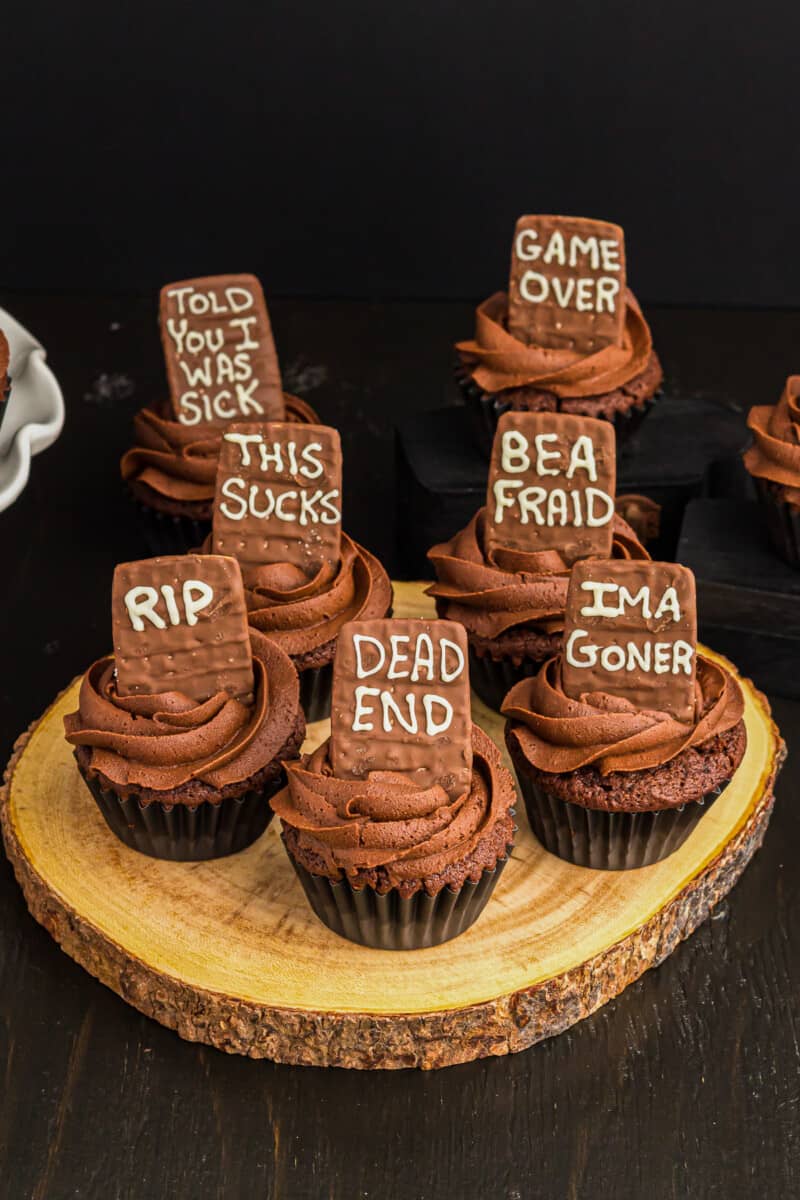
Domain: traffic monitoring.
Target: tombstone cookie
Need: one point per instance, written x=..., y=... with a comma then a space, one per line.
x=278, y=511
x=549, y=503
x=552, y=480
x=631, y=630
x=279, y=496
x=221, y=368
x=623, y=742
x=566, y=289
x=182, y=733
x=568, y=334
x=401, y=703
x=180, y=624
x=399, y=825
x=218, y=347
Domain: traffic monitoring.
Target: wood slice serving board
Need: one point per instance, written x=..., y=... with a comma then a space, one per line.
x=229, y=953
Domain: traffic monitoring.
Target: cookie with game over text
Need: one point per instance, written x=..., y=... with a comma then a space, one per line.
x=567, y=336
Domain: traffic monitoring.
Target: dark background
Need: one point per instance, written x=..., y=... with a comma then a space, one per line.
x=363, y=149
x=366, y=148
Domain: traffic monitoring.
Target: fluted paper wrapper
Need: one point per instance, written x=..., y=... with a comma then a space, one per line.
x=492, y=680
x=485, y=410
x=782, y=521
x=166, y=533
x=609, y=841
x=315, y=692
x=391, y=921
x=181, y=833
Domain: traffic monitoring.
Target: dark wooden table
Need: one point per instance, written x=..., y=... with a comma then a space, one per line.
x=687, y=1085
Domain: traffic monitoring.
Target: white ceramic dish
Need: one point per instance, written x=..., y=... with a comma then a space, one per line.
x=34, y=414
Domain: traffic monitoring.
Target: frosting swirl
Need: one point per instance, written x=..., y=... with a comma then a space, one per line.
x=159, y=742
x=500, y=361
x=557, y=734
x=302, y=614
x=386, y=821
x=775, y=453
x=490, y=594
x=179, y=462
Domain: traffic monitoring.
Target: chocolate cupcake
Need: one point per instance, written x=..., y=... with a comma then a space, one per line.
x=568, y=336
x=176, y=773
x=614, y=774
x=221, y=367
x=506, y=581
x=278, y=512
x=398, y=830
x=774, y=462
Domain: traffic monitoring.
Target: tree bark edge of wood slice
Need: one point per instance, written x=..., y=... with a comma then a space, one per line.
x=509, y=1022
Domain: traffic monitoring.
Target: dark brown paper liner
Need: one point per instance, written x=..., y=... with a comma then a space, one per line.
x=609, y=841
x=183, y=834
x=782, y=521
x=167, y=533
x=316, y=684
x=492, y=679
x=485, y=410
x=391, y=921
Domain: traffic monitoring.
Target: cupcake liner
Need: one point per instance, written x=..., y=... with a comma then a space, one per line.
x=393, y=922
x=485, y=410
x=609, y=841
x=180, y=833
x=782, y=521
x=316, y=684
x=167, y=533
x=493, y=680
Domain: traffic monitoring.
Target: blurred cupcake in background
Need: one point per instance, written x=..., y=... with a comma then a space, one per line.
x=568, y=335
x=773, y=460
x=221, y=367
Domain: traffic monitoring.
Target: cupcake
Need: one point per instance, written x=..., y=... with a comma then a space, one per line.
x=619, y=752
x=506, y=581
x=182, y=733
x=398, y=827
x=221, y=366
x=568, y=336
x=774, y=462
x=278, y=512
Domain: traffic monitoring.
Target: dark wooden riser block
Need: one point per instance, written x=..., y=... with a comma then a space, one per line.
x=684, y=449
x=748, y=599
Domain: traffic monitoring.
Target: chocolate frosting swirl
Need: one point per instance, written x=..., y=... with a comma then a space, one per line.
x=179, y=461
x=387, y=821
x=161, y=741
x=775, y=453
x=557, y=734
x=303, y=614
x=490, y=594
x=499, y=360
